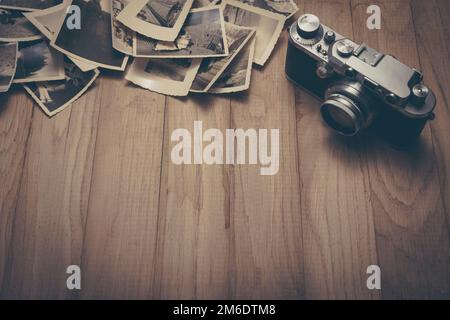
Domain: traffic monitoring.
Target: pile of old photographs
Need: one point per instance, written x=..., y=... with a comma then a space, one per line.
x=54, y=48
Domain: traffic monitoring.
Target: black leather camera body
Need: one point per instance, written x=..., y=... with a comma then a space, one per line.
x=360, y=86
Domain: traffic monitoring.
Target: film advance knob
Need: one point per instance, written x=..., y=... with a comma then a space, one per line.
x=308, y=26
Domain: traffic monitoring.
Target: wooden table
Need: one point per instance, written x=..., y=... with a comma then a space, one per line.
x=95, y=187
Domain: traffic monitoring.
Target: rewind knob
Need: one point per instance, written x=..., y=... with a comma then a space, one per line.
x=309, y=29
x=308, y=25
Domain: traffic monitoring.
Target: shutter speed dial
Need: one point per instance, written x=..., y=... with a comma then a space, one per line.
x=309, y=29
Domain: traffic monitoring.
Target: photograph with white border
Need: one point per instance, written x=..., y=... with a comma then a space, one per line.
x=8, y=64
x=202, y=36
x=268, y=26
x=237, y=75
x=122, y=36
x=14, y=27
x=157, y=19
x=55, y=96
x=48, y=21
x=205, y=3
x=286, y=8
x=38, y=61
x=211, y=68
x=172, y=77
x=29, y=5
x=92, y=43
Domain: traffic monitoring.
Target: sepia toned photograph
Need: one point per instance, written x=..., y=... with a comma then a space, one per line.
x=8, y=63
x=55, y=96
x=211, y=68
x=48, y=21
x=93, y=42
x=202, y=36
x=14, y=27
x=29, y=5
x=37, y=61
x=268, y=26
x=237, y=75
x=157, y=19
x=172, y=77
x=205, y=3
x=285, y=7
x=122, y=36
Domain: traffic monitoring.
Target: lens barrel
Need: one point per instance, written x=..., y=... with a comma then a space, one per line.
x=342, y=114
x=346, y=108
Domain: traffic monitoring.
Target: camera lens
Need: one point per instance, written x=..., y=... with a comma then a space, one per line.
x=342, y=114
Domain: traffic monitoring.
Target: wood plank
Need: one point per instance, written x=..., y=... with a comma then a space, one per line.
x=432, y=28
x=338, y=231
x=120, y=240
x=404, y=185
x=52, y=201
x=15, y=123
x=266, y=244
x=193, y=229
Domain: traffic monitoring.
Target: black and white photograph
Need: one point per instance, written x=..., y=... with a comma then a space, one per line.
x=164, y=13
x=202, y=36
x=268, y=26
x=157, y=19
x=37, y=61
x=122, y=36
x=8, y=63
x=205, y=3
x=55, y=96
x=92, y=43
x=14, y=27
x=285, y=7
x=237, y=75
x=29, y=5
x=48, y=21
x=211, y=68
x=172, y=77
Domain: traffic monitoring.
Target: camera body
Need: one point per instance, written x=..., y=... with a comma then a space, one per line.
x=360, y=86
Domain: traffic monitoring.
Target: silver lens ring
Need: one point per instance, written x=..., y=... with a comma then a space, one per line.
x=342, y=114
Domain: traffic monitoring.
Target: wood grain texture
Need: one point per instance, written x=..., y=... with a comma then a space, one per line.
x=52, y=201
x=119, y=247
x=406, y=195
x=338, y=230
x=434, y=54
x=16, y=114
x=265, y=210
x=193, y=227
x=95, y=186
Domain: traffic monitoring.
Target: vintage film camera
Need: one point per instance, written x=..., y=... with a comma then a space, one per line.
x=360, y=86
